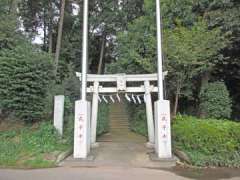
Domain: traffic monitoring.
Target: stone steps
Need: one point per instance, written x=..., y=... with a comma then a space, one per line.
x=118, y=118
x=119, y=126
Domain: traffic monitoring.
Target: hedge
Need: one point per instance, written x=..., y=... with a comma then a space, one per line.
x=25, y=76
x=208, y=142
x=215, y=101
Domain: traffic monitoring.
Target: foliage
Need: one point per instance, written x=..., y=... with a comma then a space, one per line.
x=68, y=119
x=208, y=142
x=190, y=48
x=29, y=147
x=103, y=119
x=138, y=119
x=136, y=48
x=10, y=34
x=183, y=66
x=215, y=101
x=25, y=76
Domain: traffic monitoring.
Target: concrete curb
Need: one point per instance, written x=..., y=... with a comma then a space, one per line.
x=182, y=156
x=63, y=156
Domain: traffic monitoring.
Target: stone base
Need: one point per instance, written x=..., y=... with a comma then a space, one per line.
x=78, y=162
x=95, y=145
x=150, y=145
x=168, y=162
x=90, y=158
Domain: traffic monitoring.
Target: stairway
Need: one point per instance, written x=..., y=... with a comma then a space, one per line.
x=118, y=119
x=119, y=127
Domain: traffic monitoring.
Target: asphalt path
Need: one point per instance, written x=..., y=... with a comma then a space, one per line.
x=93, y=173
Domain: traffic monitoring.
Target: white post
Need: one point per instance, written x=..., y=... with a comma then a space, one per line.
x=162, y=108
x=159, y=51
x=82, y=108
x=59, y=113
x=94, y=113
x=149, y=112
x=84, y=51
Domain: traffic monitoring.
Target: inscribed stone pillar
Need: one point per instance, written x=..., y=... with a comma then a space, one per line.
x=59, y=113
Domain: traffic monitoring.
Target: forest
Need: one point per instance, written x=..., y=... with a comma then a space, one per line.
x=41, y=47
x=201, y=50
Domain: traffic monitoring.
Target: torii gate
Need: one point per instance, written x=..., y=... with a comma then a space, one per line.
x=159, y=128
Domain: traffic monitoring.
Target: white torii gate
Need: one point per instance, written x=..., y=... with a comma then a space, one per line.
x=121, y=87
x=86, y=120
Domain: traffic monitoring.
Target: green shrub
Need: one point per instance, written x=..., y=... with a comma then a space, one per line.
x=208, y=143
x=138, y=119
x=215, y=101
x=69, y=120
x=25, y=76
x=103, y=119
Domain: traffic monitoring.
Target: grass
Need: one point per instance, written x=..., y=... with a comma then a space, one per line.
x=31, y=147
x=208, y=142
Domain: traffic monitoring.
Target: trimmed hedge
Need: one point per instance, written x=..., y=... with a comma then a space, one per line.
x=208, y=142
x=215, y=101
x=25, y=76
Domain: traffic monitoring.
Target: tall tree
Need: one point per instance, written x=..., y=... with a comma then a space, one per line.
x=189, y=50
x=59, y=37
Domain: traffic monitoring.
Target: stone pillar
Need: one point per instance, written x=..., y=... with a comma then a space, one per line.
x=82, y=129
x=94, y=114
x=149, y=112
x=59, y=113
x=163, y=145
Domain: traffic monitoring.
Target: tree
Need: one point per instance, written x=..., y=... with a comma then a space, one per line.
x=59, y=37
x=106, y=19
x=10, y=34
x=26, y=71
x=189, y=50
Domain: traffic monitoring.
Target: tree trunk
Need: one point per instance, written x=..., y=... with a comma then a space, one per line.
x=44, y=30
x=204, y=81
x=176, y=100
x=59, y=38
x=13, y=7
x=205, y=78
x=50, y=29
x=100, y=64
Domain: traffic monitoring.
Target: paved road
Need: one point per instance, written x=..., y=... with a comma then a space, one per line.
x=115, y=173
x=103, y=173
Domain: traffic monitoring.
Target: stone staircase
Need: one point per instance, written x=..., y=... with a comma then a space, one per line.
x=119, y=127
x=118, y=118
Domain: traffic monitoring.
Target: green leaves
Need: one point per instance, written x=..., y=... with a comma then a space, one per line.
x=191, y=49
x=103, y=119
x=30, y=147
x=208, y=142
x=25, y=76
x=215, y=101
